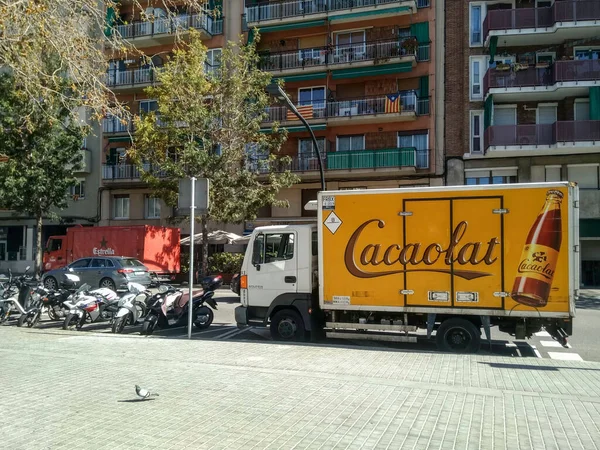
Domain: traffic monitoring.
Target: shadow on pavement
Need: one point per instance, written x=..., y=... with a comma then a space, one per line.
x=136, y=400
x=533, y=367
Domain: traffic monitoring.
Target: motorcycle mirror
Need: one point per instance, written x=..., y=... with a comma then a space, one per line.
x=27, y=269
x=162, y=289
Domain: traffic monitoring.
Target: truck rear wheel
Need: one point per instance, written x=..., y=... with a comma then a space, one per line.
x=287, y=325
x=458, y=335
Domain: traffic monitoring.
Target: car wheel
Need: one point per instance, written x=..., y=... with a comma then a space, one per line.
x=51, y=284
x=108, y=283
x=458, y=335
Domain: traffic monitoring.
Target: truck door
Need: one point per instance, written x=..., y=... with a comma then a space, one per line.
x=461, y=252
x=274, y=269
x=54, y=258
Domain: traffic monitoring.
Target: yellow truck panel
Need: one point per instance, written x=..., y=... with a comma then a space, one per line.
x=504, y=249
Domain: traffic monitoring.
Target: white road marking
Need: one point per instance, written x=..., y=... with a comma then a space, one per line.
x=535, y=350
x=231, y=334
x=543, y=334
x=565, y=356
x=550, y=344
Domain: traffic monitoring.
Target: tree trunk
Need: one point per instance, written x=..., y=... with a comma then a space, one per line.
x=39, y=253
x=204, y=226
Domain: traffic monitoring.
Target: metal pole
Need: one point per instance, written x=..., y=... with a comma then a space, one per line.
x=312, y=135
x=191, y=287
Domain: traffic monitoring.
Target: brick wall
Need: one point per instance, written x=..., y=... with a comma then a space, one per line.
x=378, y=140
x=377, y=34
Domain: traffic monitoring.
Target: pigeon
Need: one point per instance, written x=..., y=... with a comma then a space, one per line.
x=144, y=393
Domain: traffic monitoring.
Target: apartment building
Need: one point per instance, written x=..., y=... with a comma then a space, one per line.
x=18, y=231
x=362, y=72
x=524, y=101
x=125, y=199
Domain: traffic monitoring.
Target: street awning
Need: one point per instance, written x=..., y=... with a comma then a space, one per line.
x=214, y=237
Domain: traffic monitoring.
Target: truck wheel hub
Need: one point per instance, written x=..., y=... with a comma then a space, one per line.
x=287, y=328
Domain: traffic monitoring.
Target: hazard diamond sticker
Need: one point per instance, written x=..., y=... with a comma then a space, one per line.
x=332, y=222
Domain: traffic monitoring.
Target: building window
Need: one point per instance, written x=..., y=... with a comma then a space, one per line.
x=348, y=143
x=152, y=207
x=495, y=176
x=306, y=148
x=552, y=173
x=351, y=43
x=147, y=106
x=546, y=114
x=476, y=21
x=478, y=64
x=545, y=57
x=543, y=3
x=585, y=175
x=77, y=192
x=121, y=207
x=420, y=141
x=587, y=53
x=213, y=60
x=476, y=132
x=582, y=109
x=504, y=115
x=314, y=96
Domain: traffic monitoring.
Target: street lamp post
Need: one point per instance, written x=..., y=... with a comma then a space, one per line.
x=276, y=90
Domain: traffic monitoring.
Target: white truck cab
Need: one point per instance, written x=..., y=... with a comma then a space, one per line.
x=279, y=279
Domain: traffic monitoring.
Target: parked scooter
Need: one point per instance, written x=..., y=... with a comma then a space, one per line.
x=51, y=302
x=169, y=307
x=16, y=296
x=91, y=306
x=132, y=307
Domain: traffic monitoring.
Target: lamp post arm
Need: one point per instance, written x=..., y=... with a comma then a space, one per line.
x=312, y=135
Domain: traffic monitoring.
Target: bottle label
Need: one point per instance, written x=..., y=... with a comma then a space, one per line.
x=538, y=262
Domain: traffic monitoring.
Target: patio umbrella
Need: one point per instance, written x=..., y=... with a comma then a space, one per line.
x=214, y=237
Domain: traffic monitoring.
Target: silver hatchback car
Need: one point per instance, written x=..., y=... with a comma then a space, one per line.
x=112, y=272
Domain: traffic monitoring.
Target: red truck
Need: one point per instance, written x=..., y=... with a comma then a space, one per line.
x=156, y=247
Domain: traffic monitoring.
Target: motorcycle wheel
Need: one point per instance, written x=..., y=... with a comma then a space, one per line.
x=22, y=320
x=203, y=318
x=79, y=324
x=119, y=324
x=70, y=321
x=148, y=327
x=52, y=315
x=36, y=318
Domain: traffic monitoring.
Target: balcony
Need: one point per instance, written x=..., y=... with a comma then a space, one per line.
x=117, y=172
x=160, y=31
x=361, y=160
x=316, y=59
x=290, y=11
x=564, y=20
x=561, y=79
x=116, y=125
x=565, y=137
x=356, y=111
x=130, y=79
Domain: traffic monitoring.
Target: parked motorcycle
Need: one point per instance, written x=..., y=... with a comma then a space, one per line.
x=169, y=307
x=132, y=307
x=16, y=296
x=51, y=302
x=91, y=306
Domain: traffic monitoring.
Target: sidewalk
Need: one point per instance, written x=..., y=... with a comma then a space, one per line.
x=74, y=390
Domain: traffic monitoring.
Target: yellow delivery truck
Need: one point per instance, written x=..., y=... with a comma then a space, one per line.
x=381, y=264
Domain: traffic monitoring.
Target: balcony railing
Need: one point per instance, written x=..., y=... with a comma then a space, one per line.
x=349, y=160
x=559, y=72
x=542, y=134
x=272, y=10
x=523, y=18
x=364, y=106
x=170, y=25
x=128, y=171
x=131, y=77
x=116, y=125
x=340, y=54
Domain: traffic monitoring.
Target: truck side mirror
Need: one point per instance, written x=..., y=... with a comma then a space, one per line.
x=257, y=251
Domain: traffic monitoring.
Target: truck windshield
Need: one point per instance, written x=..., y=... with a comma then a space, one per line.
x=54, y=245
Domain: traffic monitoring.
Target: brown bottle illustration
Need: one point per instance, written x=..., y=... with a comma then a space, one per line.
x=540, y=255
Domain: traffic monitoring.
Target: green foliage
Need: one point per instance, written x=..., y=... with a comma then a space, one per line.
x=42, y=145
x=206, y=122
x=225, y=262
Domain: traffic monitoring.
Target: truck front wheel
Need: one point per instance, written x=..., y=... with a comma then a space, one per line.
x=287, y=325
x=458, y=335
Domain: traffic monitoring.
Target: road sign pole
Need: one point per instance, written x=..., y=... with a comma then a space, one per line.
x=192, y=237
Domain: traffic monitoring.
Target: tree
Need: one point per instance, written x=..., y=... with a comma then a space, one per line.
x=40, y=144
x=208, y=125
x=80, y=35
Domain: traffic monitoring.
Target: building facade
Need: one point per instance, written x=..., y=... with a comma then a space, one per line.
x=363, y=73
x=18, y=232
x=524, y=101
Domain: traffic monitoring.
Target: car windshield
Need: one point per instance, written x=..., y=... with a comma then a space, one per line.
x=131, y=263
